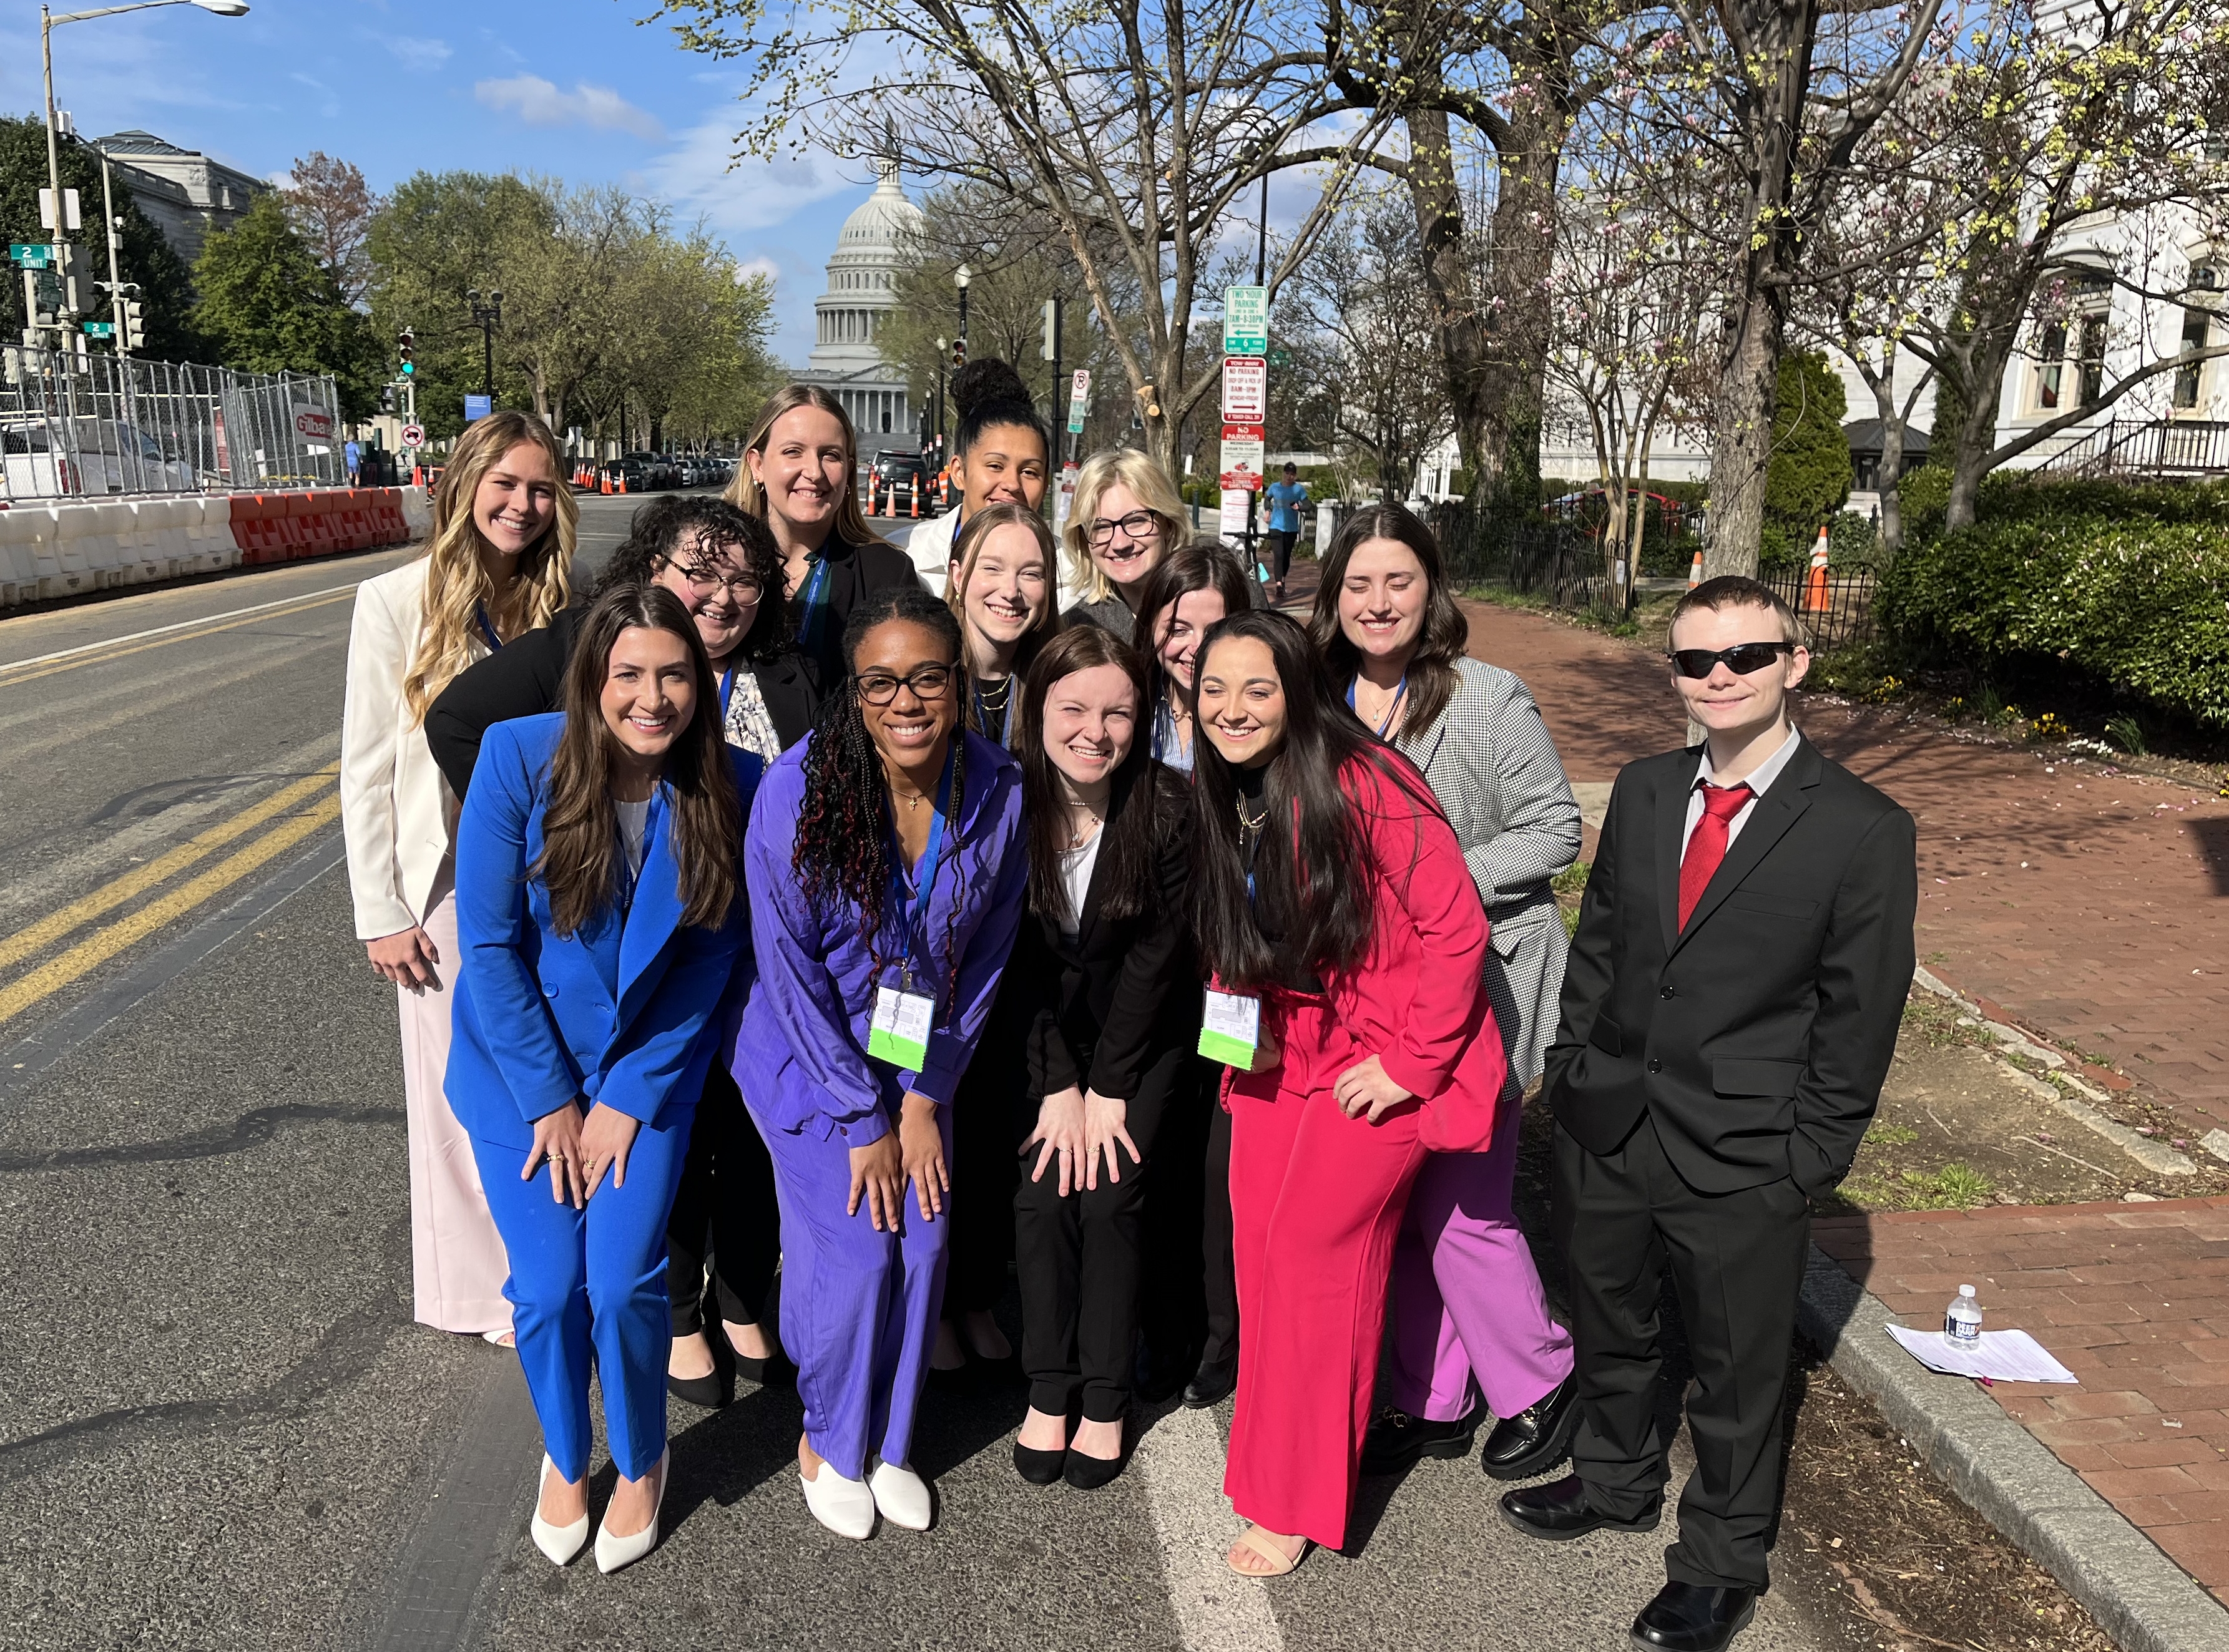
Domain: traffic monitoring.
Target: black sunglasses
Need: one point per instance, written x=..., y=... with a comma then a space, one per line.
x=1742, y=659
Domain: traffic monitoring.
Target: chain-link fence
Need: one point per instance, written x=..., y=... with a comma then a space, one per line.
x=75, y=427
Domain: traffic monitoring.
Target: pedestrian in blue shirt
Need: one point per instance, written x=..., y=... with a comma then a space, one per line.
x=600, y=917
x=1284, y=499
x=887, y=876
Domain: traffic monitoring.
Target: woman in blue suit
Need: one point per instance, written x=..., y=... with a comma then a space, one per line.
x=601, y=913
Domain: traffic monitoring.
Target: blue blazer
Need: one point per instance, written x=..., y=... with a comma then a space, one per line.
x=623, y=1010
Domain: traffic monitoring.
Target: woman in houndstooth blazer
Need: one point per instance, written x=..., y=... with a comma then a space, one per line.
x=1468, y=1307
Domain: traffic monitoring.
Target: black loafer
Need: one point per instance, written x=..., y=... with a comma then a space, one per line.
x=1688, y=1618
x=1038, y=1468
x=1397, y=1441
x=1535, y=1440
x=1211, y=1385
x=1559, y=1511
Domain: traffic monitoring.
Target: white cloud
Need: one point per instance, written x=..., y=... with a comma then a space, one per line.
x=418, y=54
x=538, y=103
x=701, y=178
x=760, y=266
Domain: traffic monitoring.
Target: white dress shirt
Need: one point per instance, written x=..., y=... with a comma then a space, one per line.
x=1759, y=781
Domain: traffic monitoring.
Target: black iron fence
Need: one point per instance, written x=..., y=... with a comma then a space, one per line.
x=1837, y=611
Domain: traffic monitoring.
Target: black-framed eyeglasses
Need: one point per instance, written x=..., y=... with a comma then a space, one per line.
x=1138, y=525
x=1742, y=659
x=927, y=683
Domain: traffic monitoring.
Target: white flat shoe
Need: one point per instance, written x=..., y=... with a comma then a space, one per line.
x=613, y=1552
x=560, y=1543
x=844, y=1506
x=902, y=1495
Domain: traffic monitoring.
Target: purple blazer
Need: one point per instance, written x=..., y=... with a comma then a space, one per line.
x=799, y=1050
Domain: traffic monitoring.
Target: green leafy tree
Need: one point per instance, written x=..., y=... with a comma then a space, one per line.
x=1808, y=475
x=165, y=289
x=270, y=306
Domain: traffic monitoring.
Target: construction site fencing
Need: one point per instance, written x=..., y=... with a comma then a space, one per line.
x=100, y=427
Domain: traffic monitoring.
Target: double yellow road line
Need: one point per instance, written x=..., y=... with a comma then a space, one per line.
x=299, y=809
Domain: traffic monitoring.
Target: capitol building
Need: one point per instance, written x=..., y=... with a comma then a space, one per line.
x=862, y=282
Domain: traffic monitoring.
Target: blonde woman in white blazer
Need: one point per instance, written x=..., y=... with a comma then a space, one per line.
x=498, y=564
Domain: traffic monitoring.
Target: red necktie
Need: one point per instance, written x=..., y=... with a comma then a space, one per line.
x=1706, y=844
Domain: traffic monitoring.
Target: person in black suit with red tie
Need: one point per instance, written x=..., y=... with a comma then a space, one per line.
x=1729, y=1012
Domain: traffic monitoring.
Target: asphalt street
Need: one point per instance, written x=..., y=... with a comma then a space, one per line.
x=223, y=1429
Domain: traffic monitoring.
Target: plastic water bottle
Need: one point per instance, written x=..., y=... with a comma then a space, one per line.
x=1961, y=1320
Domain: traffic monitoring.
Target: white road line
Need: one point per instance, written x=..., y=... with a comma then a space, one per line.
x=1180, y=1458
x=182, y=625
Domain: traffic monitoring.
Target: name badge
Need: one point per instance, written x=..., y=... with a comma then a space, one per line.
x=1231, y=1029
x=899, y=1033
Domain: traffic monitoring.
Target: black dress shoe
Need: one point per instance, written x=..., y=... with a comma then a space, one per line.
x=1560, y=1510
x=710, y=1391
x=1535, y=1440
x=1088, y=1473
x=1211, y=1385
x=1397, y=1440
x=1688, y=1618
x=1038, y=1468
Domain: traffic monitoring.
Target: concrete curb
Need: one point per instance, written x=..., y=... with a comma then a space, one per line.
x=2139, y=1596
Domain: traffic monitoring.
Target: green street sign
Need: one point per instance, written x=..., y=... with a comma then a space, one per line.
x=30, y=256
x=100, y=330
x=1245, y=320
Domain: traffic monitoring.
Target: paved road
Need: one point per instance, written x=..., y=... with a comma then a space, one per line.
x=222, y=1430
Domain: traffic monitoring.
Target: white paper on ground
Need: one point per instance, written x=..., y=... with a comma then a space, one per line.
x=2001, y=1356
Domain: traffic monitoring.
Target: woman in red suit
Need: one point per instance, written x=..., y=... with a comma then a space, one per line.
x=1345, y=943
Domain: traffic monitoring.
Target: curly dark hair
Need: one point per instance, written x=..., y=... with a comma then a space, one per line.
x=844, y=833
x=687, y=527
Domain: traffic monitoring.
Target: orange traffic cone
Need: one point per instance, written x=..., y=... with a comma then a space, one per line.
x=604, y=484
x=1816, y=599
x=621, y=488
x=913, y=495
x=1695, y=571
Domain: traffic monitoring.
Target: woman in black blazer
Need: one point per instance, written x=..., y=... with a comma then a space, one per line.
x=1107, y=955
x=726, y=569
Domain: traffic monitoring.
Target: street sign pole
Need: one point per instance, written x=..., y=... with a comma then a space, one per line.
x=1245, y=409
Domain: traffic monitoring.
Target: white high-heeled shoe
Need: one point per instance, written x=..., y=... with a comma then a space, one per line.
x=560, y=1543
x=844, y=1506
x=902, y=1495
x=613, y=1552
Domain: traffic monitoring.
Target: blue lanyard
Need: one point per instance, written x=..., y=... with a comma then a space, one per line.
x=727, y=688
x=494, y=642
x=813, y=599
x=921, y=896
x=1400, y=689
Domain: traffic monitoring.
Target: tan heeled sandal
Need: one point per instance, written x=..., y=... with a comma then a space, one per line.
x=1279, y=1562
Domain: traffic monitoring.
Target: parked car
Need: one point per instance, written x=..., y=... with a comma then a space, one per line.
x=905, y=472
x=110, y=457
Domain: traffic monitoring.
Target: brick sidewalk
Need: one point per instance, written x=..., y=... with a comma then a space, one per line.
x=2093, y=907
x=2133, y=1299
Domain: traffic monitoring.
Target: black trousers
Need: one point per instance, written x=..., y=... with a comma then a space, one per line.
x=1080, y=1261
x=725, y=1203
x=1737, y=1264
x=1192, y=1311
x=981, y=1243
x=1279, y=543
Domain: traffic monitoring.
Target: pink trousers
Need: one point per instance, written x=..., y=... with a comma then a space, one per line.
x=1468, y=1310
x=456, y=1260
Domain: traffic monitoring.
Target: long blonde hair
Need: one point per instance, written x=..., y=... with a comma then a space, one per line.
x=745, y=491
x=1134, y=469
x=457, y=586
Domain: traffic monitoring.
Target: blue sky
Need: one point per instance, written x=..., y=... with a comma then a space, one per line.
x=570, y=87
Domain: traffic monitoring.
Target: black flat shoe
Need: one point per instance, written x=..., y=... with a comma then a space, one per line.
x=1396, y=1441
x=1090, y=1473
x=1535, y=1440
x=760, y=1369
x=1688, y=1618
x=712, y=1392
x=1211, y=1385
x=1559, y=1511
x=1038, y=1468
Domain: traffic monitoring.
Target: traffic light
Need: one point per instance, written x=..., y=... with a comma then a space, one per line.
x=386, y=398
x=959, y=354
x=131, y=316
x=406, y=346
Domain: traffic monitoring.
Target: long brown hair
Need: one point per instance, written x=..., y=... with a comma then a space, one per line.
x=1144, y=804
x=1205, y=565
x=744, y=490
x=457, y=588
x=580, y=859
x=965, y=549
x=1445, y=635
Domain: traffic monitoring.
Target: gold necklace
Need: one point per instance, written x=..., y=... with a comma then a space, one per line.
x=1077, y=839
x=1252, y=822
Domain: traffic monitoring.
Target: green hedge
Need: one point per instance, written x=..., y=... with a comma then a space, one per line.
x=2127, y=583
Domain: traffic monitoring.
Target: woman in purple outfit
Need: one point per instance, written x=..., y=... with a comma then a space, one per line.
x=1468, y=1315
x=886, y=875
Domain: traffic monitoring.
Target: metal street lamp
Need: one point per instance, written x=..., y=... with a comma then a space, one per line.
x=488, y=318
x=960, y=276
x=941, y=346
x=47, y=22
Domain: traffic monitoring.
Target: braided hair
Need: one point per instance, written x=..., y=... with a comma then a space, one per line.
x=844, y=833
